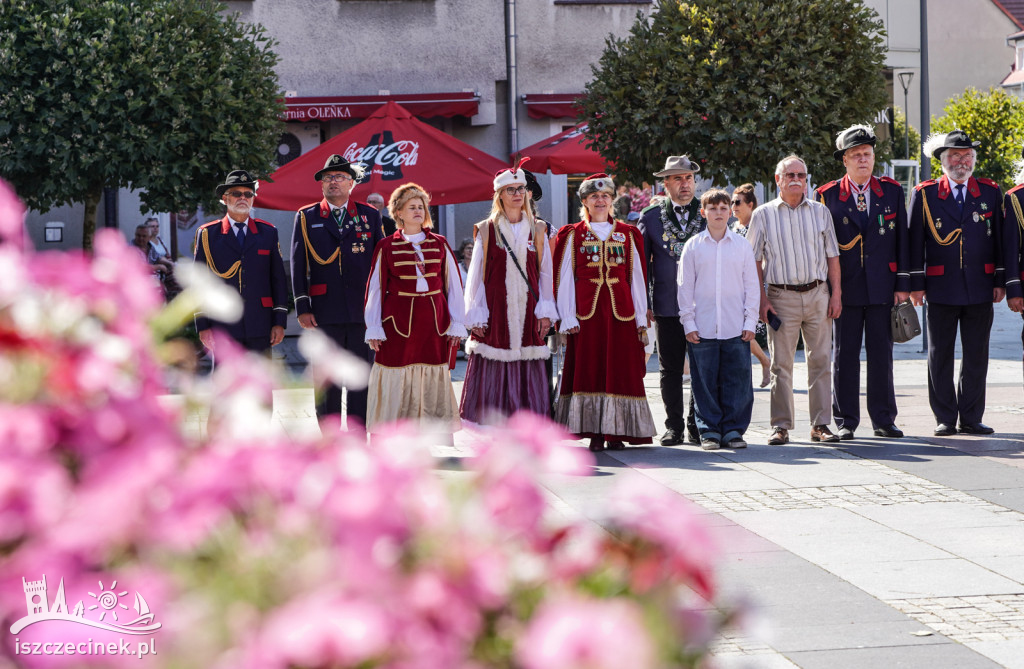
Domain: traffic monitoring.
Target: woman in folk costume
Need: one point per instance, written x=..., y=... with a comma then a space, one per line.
x=509, y=307
x=414, y=320
x=601, y=293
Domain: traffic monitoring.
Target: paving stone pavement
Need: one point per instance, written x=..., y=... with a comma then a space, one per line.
x=869, y=553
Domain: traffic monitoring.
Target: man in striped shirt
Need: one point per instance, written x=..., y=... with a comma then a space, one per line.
x=796, y=252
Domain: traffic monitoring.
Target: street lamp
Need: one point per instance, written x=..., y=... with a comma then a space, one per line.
x=905, y=79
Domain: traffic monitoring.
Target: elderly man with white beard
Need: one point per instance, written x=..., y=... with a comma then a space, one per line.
x=955, y=232
x=796, y=252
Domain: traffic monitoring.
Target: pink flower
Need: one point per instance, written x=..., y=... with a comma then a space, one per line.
x=578, y=633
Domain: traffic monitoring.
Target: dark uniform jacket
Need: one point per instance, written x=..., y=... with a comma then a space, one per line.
x=954, y=254
x=664, y=236
x=1013, y=235
x=255, y=270
x=331, y=260
x=874, y=246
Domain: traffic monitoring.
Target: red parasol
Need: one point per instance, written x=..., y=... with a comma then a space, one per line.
x=565, y=153
x=396, y=148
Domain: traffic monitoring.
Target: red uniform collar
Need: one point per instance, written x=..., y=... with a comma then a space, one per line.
x=846, y=188
x=226, y=224
x=945, y=187
x=326, y=207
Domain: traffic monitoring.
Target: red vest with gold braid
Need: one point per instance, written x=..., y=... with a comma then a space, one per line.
x=604, y=265
x=398, y=283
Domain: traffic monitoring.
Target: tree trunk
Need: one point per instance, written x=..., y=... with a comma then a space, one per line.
x=92, y=201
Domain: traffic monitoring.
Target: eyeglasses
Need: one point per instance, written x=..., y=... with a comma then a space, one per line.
x=247, y=194
x=512, y=190
x=795, y=175
x=331, y=178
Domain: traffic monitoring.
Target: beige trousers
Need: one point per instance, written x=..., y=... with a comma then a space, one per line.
x=806, y=313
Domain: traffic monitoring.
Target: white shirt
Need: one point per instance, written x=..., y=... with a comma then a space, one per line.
x=566, y=298
x=718, y=292
x=456, y=307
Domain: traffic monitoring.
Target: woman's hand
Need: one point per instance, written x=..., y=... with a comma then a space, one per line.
x=480, y=332
x=375, y=344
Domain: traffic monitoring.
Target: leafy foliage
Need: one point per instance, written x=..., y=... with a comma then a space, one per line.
x=995, y=119
x=899, y=138
x=737, y=85
x=164, y=96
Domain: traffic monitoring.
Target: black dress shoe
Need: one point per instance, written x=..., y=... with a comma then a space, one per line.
x=692, y=437
x=845, y=434
x=944, y=430
x=975, y=428
x=616, y=445
x=672, y=438
x=596, y=444
x=889, y=432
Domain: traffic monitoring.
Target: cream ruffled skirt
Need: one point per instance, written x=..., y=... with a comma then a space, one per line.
x=421, y=393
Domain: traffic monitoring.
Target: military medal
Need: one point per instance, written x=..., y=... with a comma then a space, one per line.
x=596, y=258
x=976, y=217
x=984, y=206
x=846, y=221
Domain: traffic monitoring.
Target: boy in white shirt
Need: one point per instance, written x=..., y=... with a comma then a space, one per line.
x=719, y=298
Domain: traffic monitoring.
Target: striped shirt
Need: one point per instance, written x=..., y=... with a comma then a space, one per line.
x=794, y=242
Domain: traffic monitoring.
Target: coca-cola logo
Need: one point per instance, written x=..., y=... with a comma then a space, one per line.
x=402, y=152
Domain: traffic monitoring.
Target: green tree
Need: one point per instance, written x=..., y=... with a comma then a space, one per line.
x=737, y=85
x=164, y=96
x=899, y=139
x=993, y=118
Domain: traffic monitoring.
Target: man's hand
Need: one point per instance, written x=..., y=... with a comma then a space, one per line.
x=900, y=297
x=206, y=337
x=307, y=321
x=998, y=294
x=543, y=325
x=693, y=337
x=747, y=335
x=374, y=344
x=650, y=317
x=835, y=306
x=766, y=306
x=276, y=335
x=1016, y=304
x=917, y=297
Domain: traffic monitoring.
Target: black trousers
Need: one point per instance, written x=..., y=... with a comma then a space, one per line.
x=967, y=400
x=348, y=336
x=871, y=325
x=671, y=358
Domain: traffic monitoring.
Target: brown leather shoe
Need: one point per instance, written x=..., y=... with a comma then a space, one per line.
x=780, y=436
x=823, y=434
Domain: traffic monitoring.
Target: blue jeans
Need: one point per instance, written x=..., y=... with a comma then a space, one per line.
x=721, y=386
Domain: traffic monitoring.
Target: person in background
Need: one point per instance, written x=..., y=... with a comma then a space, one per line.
x=376, y=200
x=415, y=319
x=601, y=293
x=744, y=202
x=464, y=254
x=509, y=308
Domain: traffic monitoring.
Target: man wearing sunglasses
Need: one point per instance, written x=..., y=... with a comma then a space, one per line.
x=332, y=253
x=245, y=253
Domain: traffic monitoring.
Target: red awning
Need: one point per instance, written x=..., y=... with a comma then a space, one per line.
x=552, y=105
x=395, y=148
x=565, y=153
x=424, y=105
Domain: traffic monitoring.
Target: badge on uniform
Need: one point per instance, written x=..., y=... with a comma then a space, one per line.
x=530, y=246
x=846, y=221
x=976, y=217
x=984, y=206
x=317, y=225
x=619, y=236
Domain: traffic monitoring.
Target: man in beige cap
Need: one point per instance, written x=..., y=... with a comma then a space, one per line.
x=666, y=227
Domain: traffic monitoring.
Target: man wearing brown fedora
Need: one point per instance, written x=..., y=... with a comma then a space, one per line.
x=246, y=254
x=332, y=252
x=666, y=227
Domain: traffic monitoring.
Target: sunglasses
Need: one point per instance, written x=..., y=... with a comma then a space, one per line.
x=737, y=203
x=247, y=194
x=795, y=175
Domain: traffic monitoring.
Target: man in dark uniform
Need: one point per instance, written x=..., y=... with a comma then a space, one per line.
x=955, y=231
x=666, y=227
x=1013, y=243
x=245, y=253
x=870, y=220
x=332, y=252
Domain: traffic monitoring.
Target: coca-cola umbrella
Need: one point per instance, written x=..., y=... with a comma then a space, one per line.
x=565, y=153
x=395, y=147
